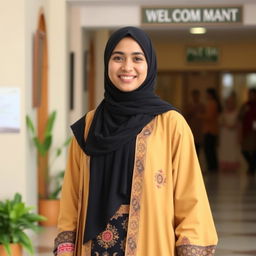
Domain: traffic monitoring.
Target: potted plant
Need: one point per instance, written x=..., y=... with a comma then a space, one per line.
x=49, y=200
x=15, y=218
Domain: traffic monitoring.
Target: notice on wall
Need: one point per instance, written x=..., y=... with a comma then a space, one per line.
x=192, y=15
x=9, y=110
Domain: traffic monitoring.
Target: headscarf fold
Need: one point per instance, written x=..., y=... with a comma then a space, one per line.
x=112, y=135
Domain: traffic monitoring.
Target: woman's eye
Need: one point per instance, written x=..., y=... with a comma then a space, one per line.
x=138, y=59
x=117, y=58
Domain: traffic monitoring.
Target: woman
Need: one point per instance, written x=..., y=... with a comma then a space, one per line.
x=133, y=185
x=229, y=143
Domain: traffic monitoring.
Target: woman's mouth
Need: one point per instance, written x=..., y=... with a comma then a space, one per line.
x=127, y=78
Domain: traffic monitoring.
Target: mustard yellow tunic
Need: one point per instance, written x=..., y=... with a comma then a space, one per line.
x=169, y=211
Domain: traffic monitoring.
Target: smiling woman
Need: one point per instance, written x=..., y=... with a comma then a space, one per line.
x=133, y=184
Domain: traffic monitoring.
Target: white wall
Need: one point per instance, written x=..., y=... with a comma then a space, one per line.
x=249, y=14
x=58, y=74
x=12, y=74
x=110, y=16
x=18, y=22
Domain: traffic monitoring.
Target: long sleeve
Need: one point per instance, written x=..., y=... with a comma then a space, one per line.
x=194, y=227
x=67, y=221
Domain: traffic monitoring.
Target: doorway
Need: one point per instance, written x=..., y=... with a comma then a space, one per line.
x=176, y=87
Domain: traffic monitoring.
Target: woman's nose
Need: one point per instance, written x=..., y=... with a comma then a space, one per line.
x=127, y=66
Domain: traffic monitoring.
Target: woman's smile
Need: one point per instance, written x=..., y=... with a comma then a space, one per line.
x=127, y=78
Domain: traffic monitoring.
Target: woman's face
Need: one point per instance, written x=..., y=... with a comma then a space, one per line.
x=127, y=67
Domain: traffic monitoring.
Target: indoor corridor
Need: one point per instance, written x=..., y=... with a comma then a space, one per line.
x=54, y=64
x=233, y=201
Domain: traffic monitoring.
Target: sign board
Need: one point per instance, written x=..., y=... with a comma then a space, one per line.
x=202, y=54
x=190, y=15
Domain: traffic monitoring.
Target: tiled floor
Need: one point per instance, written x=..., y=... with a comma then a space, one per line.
x=233, y=201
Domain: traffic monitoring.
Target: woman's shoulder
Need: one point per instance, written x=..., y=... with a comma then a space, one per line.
x=173, y=115
x=174, y=119
x=172, y=123
x=82, y=120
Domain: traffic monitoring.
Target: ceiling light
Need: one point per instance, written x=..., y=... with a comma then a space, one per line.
x=198, y=30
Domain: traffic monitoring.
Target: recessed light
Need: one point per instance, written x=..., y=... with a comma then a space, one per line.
x=197, y=30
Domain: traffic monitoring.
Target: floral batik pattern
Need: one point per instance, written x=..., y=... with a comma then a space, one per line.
x=111, y=242
x=195, y=250
x=187, y=249
x=64, y=242
x=136, y=195
x=160, y=179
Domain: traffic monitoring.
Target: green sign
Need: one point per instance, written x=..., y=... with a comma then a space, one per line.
x=202, y=54
x=191, y=15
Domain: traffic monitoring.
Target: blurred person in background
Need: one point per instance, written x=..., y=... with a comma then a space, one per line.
x=228, y=141
x=193, y=116
x=247, y=116
x=211, y=128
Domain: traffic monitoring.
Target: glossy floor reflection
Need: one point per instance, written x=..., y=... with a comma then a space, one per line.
x=233, y=201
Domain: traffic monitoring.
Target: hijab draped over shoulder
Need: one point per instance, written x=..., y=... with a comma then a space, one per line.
x=111, y=139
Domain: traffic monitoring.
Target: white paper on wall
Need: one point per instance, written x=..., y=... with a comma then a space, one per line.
x=9, y=110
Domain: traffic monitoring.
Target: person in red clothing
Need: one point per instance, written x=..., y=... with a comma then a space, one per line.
x=247, y=117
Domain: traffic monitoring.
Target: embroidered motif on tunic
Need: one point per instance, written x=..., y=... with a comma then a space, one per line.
x=64, y=242
x=160, y=178
x=195, y=250
x=112, y=240
x=134, y=215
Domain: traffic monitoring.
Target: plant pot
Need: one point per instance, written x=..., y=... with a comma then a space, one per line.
x=50, y=209
x=16, y=250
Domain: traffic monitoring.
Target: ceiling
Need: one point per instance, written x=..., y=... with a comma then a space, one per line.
x=220, y=33
x=161, y=2
x=180, y=33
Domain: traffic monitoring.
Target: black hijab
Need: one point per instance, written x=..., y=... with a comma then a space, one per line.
x=111, y=139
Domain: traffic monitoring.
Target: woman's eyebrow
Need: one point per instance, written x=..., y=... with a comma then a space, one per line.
x=122, y=53
x=138, y=53
x=117, y=52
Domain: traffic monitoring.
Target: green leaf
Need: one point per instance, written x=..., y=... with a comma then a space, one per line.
x=35, y=217
x=58, y=152
x=55, y=193
x=30, y=125
x=15, y=217
x=5, y=240
x=67, y=141
x=60, y=175
x=25, y=242
x=50, y=123
x=47, y=143
x=39, y=146
x=17, y=198
x=19, y=209
x=7, y=248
